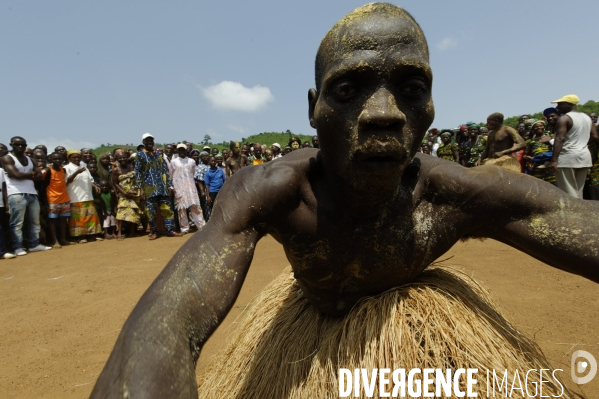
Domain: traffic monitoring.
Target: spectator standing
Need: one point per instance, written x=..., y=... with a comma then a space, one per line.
x=214, y=179
x=571, y=157
x=23, y=204
x=4, y=254
x=154, y=180
x=129, y=195
x=199, y=174
x=186, y=195
x=59, y=203
x=84, y=222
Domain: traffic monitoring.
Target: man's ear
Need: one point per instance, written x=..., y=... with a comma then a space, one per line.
x=312, y=99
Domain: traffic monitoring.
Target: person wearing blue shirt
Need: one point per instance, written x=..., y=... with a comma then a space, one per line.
x=214, y=180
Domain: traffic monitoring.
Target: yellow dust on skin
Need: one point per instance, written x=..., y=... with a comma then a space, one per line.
x=541, y=230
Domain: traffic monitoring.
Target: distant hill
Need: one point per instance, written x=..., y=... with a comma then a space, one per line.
x=589, y=106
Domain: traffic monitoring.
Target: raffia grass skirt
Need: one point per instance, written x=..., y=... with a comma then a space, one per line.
x=507, y=161
x=285, y=348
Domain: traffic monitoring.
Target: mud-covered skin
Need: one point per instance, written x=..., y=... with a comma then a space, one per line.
x=357, y=217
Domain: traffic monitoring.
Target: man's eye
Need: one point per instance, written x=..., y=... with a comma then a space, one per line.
x=345, y=90
x=413, y=88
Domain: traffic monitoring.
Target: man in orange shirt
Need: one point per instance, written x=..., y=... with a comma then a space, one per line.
x=59, y=203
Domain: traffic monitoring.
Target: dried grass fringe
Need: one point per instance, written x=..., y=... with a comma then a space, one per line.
x=284, y=348
x=508, y=162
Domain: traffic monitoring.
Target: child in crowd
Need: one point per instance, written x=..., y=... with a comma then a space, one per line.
x=59, y=203
x=219, y=163
x=214, y=178
x=108, y=206
x=92, y=166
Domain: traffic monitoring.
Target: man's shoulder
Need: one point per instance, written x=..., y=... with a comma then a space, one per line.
x=287, y=171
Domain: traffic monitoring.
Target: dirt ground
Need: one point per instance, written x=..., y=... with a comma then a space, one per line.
x=61, y=311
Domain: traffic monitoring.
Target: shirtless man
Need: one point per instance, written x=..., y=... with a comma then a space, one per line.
x=371, y=108
x=237, y=160
x=502, y=140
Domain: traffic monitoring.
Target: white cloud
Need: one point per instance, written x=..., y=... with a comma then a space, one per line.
x=52, y=143
x=238, y=129
x=447, y=43
x=228, y=95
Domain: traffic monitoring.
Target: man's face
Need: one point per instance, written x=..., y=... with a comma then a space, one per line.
x=473, y=132
x=236, y=149
x=212, y=163
x=182, y=151
x=594, y=117
x=214, y=151
x=189, y=147
x=148, y=143
x=56, y=160
x=258, y=152
x=18, y=146
x=105, y=160
x=39, y=157
x=93, y=168
x=60, y=149
x=122, y=158
x=375, y=102
x=3, y=150
x=563, y=108
x=75, y=159
x=521, y=128
x=492, y=123
x=315, y=141
x=86, y=156
x=168, y=150
x=225, y=154
x=244, y=149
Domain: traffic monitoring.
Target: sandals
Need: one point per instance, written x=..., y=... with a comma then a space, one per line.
x=153, y=236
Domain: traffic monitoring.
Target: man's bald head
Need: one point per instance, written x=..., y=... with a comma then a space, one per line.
x=341, y=38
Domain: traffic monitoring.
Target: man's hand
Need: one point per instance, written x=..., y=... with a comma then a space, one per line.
x=498, y=154
x=209, y=199
x=552, y=168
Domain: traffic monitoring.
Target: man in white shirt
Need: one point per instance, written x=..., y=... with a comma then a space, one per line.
x=23, y=205
x=571, y=157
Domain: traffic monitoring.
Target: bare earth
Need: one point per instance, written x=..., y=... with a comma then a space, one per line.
x=61, y=311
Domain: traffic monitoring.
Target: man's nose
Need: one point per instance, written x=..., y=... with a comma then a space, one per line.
x=381, y=111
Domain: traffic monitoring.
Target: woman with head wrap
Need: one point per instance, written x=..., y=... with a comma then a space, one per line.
x=447, y=149
x=84, y=222
x=551, y=115
x=538, y=151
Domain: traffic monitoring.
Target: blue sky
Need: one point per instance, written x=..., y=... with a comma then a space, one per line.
x=85, y=73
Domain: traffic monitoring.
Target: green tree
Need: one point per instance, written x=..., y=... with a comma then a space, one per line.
x=207, y=139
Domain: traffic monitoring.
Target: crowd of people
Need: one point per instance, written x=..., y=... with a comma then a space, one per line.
x=66, y=197
x=531, y=148
x=50, y=200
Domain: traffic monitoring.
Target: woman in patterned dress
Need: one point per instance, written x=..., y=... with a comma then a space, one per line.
x=538, y=151
x=127, y=210
x=447, y=149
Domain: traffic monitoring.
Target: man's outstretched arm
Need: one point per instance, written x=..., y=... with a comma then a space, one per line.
x=538, y=219
x=156, y=352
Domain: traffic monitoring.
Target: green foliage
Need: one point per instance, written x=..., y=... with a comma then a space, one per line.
x=589, y=106
x=267, y=138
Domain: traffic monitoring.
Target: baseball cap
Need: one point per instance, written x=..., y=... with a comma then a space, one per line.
x=277, y=145
x=570, y=98
x=146, y=135
x=206, y=147
x=181, y=145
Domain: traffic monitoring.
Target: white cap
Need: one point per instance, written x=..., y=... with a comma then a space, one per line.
x=277, y=145
x=146, y=135
x=181, y=145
